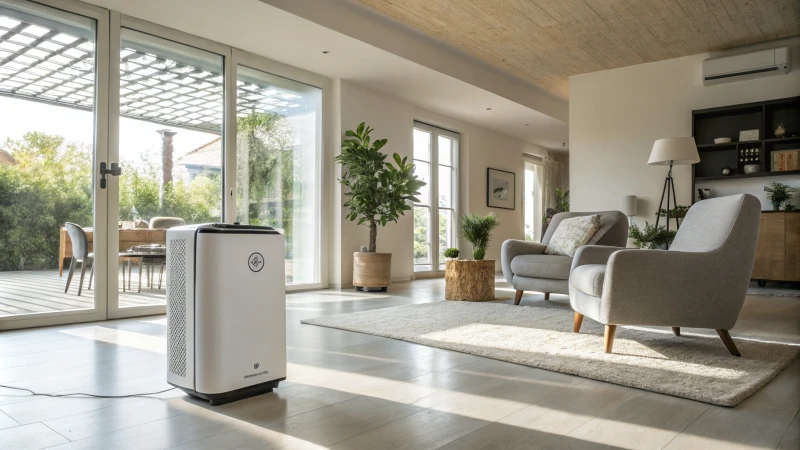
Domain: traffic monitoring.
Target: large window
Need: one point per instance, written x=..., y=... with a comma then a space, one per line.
x=185, y=131
x=277, y=164
x=48, y=99
x=435, y=217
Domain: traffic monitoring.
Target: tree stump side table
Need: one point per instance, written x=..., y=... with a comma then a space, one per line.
x=469, y=280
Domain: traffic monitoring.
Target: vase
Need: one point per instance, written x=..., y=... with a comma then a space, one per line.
x=776, y=206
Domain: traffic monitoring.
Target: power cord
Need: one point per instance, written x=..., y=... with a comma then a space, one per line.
x=145, y=395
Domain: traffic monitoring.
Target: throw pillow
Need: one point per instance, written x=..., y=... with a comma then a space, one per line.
x=571, y=234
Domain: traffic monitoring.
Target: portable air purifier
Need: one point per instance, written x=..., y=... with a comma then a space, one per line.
x=226, y=310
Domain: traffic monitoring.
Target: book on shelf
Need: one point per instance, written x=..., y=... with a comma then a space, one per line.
x=785, y=160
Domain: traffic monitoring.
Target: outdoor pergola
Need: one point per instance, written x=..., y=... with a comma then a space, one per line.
x=51, y=62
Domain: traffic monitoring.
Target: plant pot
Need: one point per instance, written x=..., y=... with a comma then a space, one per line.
x=469, y=280
x=372, y=270
x=776, y=206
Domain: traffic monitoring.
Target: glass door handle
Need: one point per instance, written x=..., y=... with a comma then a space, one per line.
x=115, y=170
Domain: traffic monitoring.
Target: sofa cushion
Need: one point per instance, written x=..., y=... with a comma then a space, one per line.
x=571, y=234
x=555, y=267
x=589, y=279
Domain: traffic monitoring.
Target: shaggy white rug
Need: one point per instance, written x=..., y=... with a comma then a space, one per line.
x=692, y=366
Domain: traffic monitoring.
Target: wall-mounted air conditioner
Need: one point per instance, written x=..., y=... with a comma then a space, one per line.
x=746, y=66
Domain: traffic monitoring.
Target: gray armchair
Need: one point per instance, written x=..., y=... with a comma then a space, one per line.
x=528, y=268
x=700, y=282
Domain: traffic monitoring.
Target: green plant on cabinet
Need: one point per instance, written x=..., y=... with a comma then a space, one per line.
x=780, y=194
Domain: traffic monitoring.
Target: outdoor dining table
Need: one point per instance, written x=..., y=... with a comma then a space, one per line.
x=128, y=238
x=156, y=253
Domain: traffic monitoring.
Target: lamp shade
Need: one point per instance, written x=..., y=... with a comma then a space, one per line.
x=678, y=151
x=627, y=204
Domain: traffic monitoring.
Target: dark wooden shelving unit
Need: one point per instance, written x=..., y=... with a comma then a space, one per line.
x=728, y=121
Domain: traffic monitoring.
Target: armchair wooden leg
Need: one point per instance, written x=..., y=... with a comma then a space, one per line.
x=611, y=330
x=576, y=322
x=676, y=331
x=547, y=296
x=518, y=297
x=726, y=339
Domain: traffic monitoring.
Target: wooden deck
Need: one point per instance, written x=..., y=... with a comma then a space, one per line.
x=32, y=291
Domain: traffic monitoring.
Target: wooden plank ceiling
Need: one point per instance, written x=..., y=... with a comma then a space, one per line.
x=546, y=41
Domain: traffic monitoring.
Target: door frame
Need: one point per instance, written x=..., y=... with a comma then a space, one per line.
x=99, y=196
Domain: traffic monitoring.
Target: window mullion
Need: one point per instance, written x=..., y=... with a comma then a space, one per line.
x=435, y=200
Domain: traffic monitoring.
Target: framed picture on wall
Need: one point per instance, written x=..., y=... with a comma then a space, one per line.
x=500, y=189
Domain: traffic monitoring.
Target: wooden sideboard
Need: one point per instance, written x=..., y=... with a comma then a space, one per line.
x=778, y=251
x=127, y=239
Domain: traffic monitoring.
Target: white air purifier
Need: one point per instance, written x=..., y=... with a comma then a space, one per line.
x=226, y=310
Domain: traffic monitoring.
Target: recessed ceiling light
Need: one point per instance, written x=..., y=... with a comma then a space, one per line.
x=325, y=52
x=488, y=109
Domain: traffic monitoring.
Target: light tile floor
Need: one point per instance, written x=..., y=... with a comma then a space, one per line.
x=349, y=390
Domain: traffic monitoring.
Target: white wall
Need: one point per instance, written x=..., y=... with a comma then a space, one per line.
x=393, y=119
x=615, y=115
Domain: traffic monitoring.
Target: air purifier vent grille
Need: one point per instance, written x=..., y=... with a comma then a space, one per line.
x=176, y=313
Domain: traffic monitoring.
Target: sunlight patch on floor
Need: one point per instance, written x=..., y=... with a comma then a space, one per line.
x=478, y=334
x=120, y=337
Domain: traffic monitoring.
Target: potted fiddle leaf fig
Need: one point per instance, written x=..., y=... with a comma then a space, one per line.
x=378, y=192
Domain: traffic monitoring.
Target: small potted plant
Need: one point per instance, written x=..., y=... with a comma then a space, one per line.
x=651, y=237
x=378, y=192
x=477, y=230
x=779, y=194
x=451, y=254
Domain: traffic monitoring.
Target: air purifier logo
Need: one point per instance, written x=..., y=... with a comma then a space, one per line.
x=255, y=262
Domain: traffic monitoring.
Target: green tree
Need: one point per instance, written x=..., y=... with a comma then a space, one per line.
x=377, y=192
x=266, y=171
x=51, y=183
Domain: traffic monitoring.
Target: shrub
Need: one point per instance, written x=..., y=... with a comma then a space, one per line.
x=451, y=253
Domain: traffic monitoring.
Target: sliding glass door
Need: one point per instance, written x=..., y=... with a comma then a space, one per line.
x=52, y=136
x=170, y=148
x=435, y=216
x=113, y=130
x=278, y=165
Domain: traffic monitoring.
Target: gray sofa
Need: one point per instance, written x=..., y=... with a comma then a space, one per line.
x=528, y=268
x=700, y=282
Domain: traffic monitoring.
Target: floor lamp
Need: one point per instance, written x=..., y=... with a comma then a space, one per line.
x=672, y=151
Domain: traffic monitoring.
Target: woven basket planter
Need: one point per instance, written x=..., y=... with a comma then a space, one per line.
x=372, y=270
x=469, y=280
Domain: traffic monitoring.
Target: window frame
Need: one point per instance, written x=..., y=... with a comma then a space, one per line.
x=434, y=266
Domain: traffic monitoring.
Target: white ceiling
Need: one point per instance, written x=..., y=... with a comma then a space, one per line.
x=257, y=27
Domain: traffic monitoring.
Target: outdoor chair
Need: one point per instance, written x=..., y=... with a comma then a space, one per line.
x=80, y=253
